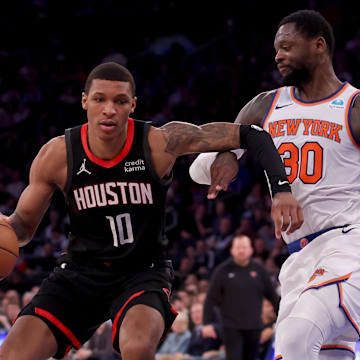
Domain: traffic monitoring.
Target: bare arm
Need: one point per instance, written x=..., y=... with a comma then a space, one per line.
x=255, y=110
x=178, y=138
x=225, y=166
x=47, y=171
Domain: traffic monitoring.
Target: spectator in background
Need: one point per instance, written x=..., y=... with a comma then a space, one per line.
x=237, y=288
x=199, y=346
x=268, y=317
x=178, y=340
x=99, y=347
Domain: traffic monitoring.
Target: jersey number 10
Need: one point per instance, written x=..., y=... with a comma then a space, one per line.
x=121, y=229
x=299, y=161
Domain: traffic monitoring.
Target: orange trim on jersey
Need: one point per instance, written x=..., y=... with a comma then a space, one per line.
x=278, y=357
x=55, y=321
x=311, y=103
x=337, y=347
x=329, y=282
x=347, y=119
x=274, y=100
x=117, y=317
x=346, y=311
x=118, y=158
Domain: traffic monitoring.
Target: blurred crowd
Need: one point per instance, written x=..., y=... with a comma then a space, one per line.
x=183, y=72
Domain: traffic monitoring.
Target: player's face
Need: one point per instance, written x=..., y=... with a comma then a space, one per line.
x=108, y=104
x=241, y=249
x=293, y=55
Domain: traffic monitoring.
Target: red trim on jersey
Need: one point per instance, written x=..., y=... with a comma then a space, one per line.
x=317, y=102
x=67, y=350
x=347, y=119
x=118, y=158
x=55, y=321
x=274, y=100
x=174, y=311
x=117, y=317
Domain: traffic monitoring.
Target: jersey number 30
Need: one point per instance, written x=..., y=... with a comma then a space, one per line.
x=305, y=163
x=121, y=229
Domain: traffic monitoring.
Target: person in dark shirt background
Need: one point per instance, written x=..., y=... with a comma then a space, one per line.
x=238, y=287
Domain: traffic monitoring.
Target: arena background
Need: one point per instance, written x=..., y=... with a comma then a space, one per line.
x=194, y=61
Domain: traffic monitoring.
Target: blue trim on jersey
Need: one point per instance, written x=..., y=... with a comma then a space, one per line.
x=271, y=103
x=338, y=348
x=296, y=245
x=315, y=101
x=349, y=119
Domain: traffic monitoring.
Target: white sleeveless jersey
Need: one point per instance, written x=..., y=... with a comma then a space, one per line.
x=320, y=154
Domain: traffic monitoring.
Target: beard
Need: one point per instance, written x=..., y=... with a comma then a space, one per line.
x=297, y=78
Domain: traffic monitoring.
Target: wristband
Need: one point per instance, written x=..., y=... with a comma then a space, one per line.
x=262, y=149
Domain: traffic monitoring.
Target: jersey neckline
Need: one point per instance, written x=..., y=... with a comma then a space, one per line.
x=116, y=160
x=337, y=92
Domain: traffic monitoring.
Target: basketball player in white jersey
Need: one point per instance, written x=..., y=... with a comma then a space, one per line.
x=314, y=121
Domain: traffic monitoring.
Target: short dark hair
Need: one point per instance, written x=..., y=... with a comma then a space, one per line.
x=311, y=24
x=110, y=71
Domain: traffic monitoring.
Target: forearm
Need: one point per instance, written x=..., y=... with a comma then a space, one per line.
x=183, y=138
x=23, y=232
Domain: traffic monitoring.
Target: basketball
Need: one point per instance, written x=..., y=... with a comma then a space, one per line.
x=9, y=249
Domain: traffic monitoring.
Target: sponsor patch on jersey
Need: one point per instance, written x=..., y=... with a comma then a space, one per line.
x=138, y=165
x=317, y=272
x=337, y=104
x=231, y=275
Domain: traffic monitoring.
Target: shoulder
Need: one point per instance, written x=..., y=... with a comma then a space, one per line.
x=255, y=110
x=50, y=163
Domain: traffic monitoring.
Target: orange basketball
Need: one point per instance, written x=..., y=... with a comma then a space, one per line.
x=9, y=249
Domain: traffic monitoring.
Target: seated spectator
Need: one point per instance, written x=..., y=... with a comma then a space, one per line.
x=178, y=340
x=99, y=347
x=268, y=317
x=200, y=346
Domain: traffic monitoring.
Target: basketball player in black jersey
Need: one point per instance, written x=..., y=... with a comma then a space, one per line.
x=114, y=172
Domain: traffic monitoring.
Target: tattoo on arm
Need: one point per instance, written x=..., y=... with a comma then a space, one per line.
x=183, y=138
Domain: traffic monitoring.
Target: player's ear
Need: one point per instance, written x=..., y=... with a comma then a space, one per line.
x=133, y=104
x=84, y=98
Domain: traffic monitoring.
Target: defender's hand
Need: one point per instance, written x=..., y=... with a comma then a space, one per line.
x=223, y=170
x=286, y=211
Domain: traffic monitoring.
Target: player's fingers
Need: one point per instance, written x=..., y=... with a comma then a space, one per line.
x=295, y=224
x=213, y=193
x=300, y=216
x=285, y=218
x=5, y=218
x=277, y=219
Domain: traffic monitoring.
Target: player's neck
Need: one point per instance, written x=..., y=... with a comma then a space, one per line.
x=323, y=83
x=106, y=149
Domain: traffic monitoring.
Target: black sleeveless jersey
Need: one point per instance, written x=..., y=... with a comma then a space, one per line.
x=116, y=207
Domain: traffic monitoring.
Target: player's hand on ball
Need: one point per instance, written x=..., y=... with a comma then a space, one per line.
x=9, y=247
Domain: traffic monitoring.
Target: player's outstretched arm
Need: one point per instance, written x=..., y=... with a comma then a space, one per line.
x=46, y=169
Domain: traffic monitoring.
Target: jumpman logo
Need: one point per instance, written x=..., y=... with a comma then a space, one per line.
x=83, y=169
